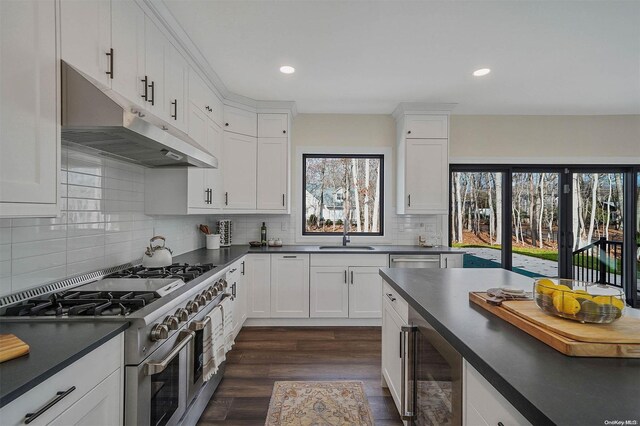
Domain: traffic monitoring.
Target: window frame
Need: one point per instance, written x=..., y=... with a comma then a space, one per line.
x=382, y=206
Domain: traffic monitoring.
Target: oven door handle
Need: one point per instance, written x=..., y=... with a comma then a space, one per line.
x=407, y=394
x=153, y=368
x=199, y=325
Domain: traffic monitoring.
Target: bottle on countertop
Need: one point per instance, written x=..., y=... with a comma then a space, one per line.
x=263, y=234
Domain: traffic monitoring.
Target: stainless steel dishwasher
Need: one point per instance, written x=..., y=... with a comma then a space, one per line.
x=415, y=261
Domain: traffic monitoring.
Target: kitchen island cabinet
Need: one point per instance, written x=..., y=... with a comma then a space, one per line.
x=519, y=379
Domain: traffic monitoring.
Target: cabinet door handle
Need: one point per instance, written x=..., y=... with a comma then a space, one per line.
x=243, y=267
x=345, y=276
x=407, y=379
x=284, y=132
x=226, y=198
x=409, y=200
x=446, y=262
x=110, y=55
x=282, y=200
x=153, y=93
x=400, y=344
x=290, y=257
x=145, y=81
x=226, y=124
x=352, y=277
x=390, y=296
x=29, y=417
x=175, y=109
x=409, y=132
x=206, y=196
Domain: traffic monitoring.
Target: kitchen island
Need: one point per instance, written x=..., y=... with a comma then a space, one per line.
x=545, y=386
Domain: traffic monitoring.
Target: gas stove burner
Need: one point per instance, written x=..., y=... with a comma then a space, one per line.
x=183, y=271
x=84, y=303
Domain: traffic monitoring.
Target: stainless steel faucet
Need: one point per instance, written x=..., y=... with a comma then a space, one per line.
x=345, y=234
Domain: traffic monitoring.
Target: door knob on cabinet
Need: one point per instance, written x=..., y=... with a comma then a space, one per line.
x=226, y=124
x=409, y=132
x=284, y=131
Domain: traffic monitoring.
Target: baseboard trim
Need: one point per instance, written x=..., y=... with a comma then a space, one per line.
x=312, y=322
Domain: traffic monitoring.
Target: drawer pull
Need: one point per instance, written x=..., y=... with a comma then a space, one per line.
x=390, y=296
x=59, y=397
x=290, y=257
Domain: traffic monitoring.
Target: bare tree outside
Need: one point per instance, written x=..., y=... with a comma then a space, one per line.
x=343, y=191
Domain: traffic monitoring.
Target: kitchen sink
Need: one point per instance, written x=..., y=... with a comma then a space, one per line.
x=346, y=248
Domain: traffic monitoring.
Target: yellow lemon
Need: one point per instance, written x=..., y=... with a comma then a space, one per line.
x=609, y=300
x=546, y=286
x=565, y=303
x=562, y=287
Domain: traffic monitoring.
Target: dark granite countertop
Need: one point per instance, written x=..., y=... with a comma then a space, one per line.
x=52, y=347
x=339, y=250
x=546, y=386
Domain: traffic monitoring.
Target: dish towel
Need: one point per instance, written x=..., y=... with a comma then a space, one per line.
x=227, y=310
x=207, y=350
x=217, y=352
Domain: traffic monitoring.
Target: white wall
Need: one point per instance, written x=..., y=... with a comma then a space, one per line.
x=545, y=139
x=102, y=224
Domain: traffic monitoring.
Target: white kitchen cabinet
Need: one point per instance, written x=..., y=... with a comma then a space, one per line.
x=483, y=404
x=94, y=392
x=175, y=87
x=346, y=286
x=422, y=126
x=289, y=286
x=198, y=123
x=451, y=260
x=128, y=42
x=391, y=357
x=365, y=292
x=258, y=282
x=85, y=31
x=237, y=287
x=29, y=88
x=329, y=292
x=240, y=121
x=273, y=125
x=239, y=171
x=204, y=98
x=426, y=176
x=190, y=190
x=154, y=68
x=273, y=171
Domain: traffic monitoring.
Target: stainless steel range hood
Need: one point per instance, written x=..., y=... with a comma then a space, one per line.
x=100, y=122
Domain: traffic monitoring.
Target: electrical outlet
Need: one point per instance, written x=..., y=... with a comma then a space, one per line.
x=284, y=226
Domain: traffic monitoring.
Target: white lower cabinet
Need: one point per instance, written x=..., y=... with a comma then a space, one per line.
x=93, y=387
x=339, y=289
x=391, y=357
x=258, y=283
x=484, y=405
x=451, y=260
x=237, y=287
x=289, y=286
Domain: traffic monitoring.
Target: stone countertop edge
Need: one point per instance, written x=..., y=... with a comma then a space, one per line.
x=582, y=411
x=15, y=390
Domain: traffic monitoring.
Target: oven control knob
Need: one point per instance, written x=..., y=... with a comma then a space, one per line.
x=192, y=307
x=159, y=332
x=200, y=300
x=207, y=295
x=171, y=322
x=182, y=315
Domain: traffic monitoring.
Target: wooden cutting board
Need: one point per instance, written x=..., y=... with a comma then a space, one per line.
x=11, y=347
x=548, y=333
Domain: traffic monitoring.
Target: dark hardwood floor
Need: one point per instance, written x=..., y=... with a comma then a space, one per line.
x=264, y=355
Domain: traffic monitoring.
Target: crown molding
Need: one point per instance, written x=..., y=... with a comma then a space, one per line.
x=160, y=13
x=422, y=108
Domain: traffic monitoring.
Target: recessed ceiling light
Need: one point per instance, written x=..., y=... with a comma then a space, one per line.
x=480, y=72
x=286, y=69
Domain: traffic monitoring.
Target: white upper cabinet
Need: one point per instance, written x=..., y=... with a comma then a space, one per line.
x=127, y=40
x=176, y=72
x=203, y=98
x=418, y=126
x=423, y=164
x=426, y=176
x=86, y=38
x=240, y=121
x=273, y=168
x=239, y=171
x=29, y=87
x=289, y=286
x=154, y=68
x=273, y=125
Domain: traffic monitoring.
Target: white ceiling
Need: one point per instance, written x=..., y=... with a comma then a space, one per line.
x=547, y=57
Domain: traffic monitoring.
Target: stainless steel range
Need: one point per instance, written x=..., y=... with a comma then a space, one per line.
x=166, y=308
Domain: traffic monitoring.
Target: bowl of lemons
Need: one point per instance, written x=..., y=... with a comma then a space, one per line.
x=579, y=300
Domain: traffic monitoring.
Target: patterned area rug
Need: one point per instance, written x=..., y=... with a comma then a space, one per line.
x=338, y=403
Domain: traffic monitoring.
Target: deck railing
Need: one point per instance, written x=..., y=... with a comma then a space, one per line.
x=600, y=261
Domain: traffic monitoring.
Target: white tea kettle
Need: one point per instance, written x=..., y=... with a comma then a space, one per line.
x=157, y=256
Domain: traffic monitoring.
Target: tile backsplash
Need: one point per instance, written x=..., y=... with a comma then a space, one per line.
x=102, y=224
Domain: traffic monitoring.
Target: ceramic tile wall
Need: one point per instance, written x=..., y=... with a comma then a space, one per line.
x=102, y=224
x=401, y=230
